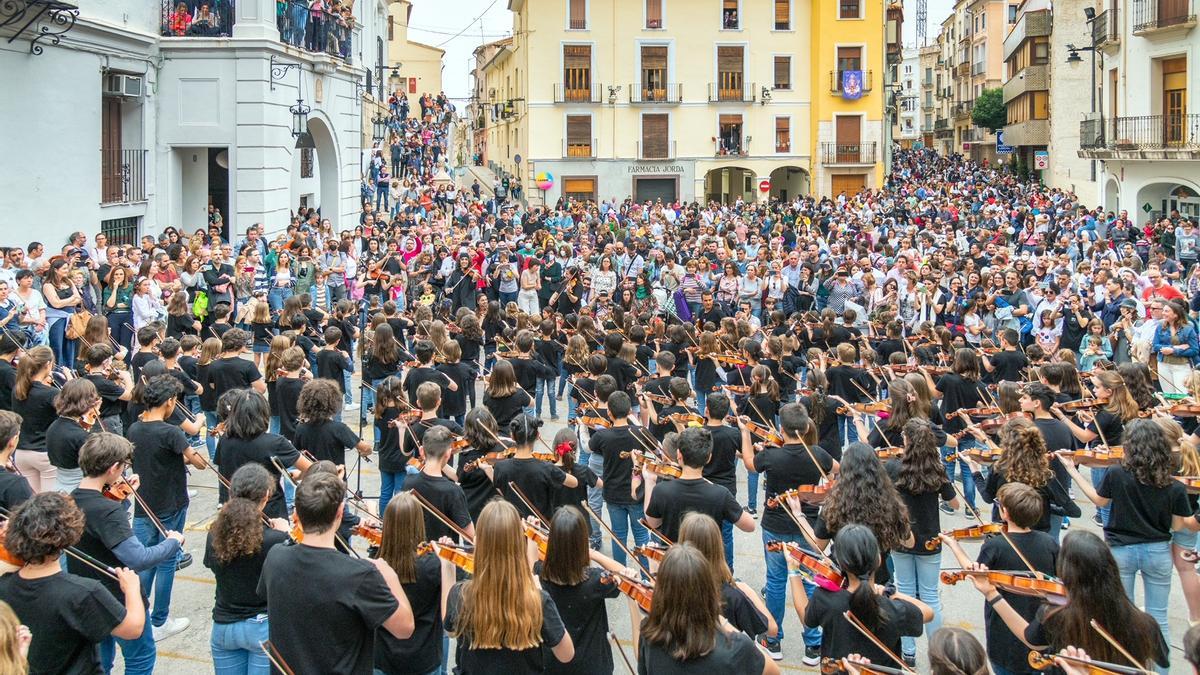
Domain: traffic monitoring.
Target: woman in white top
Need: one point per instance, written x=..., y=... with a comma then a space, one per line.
x=604, y=279
x=147, y=305
x=531, y=283
x=32, y=307
x=750, y=290
x=280, y=281
x=191, y=277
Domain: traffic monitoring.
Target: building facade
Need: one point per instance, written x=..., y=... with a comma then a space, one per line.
x=930, y=73
x=687, y=106
x=152, y=117
x=907, y=130
x=1146, y=133
x=418, y=66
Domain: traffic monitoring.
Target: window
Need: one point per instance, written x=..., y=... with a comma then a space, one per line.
x=580, y=188
x=783, y=134
x=929, y=74
x=654, y=73
x=306, y=162
x=783, y=14
x=783, y=72
x=849, y=9
x=121, y=231
x=577, y=73
x=579, y=135
x=577, y=19
x=654, y=14
x=1012, y=13
x=391, y=27
x=729, y=15
x=730, y=82
x=982, y=21
x=848, y=58
x=730, y=135
x=655, y=130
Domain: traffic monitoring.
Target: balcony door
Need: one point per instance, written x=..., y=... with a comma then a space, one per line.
x=654, y=73
x=577, y=73
x=730, y=69
x=112, y=184
x=1174, y=86
x=848, y=132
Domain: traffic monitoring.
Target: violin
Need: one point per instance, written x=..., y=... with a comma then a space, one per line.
x=1020, y=584
x=819, y=568
x=118, y=492
x=993, y=424
x=766, y=433
x=651, y=551
x=1184, y=410
x=1039, y=662
x=639, y=592
x=459, y=443
x=686, y=418
x=738, y=389
x=972, y=532
x=834, y=666
x=1082, y=404
x=655, y=466
x=977, y=412
x=813, y=494
x=461, y=557
x=594, y=421
x=408, y=417
x=891, y=452
x=1192, y=483
x=658, y=398
x=870, y=408
x=9, y=558
x=1099, y=455
x=729, y=359
x=538, y=536
x=489, y=458
x=978, y=455
x=297, y=531
x=373, y=533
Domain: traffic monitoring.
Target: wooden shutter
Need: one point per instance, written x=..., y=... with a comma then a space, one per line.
x=783, y=14
x=729, y=73
x=783, y=72
x=654, y=73
x=849, y=58
x=580, y=188
x=848, y=130
x=654, y=14
x=579, y=135
x=578, y=18
x=577, y=72
x=111, y=184
x=655, y=129
x=729, y=59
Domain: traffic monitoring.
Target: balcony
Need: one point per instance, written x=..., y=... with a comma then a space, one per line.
x=939, y=125
x=655, y=94
x=578, y=94
x=962, y=110
x=1106, y=31
x=1029, y=132
x=835, y=81
x=658, y=152
x=731, y=92
x=1152, y=137
x=582, y=150
x=854, y=154
x=963, y=69
x=1033, y=78
x=978, y=68
x=731, y=147
x=316, y=32
x=1030, y=25
x=1152, y=16
x=217, y=24
x=122, y=176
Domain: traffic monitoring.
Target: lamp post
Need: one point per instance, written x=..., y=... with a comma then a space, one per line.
x=304, y=139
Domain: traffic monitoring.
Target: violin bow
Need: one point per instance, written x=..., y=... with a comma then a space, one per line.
x=282, y=469
x=528, y=504
x=1003, y=533
x=145, y=507
x=616, y=540
x=276, y=658
x=612, y=637
x=436, y=513
x=1117, y=645
x=655, y=532
x=860, y=627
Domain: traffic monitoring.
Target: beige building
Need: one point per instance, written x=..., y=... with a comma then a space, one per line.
x=420, y=65
x=927, y=61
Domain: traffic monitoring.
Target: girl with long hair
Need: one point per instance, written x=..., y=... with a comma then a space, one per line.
x=741, y=606
x=263, y=328
x=210, y=350
x=1146, y=504
x=63, y=299
x=1176, y=347
x=574, y=363
x=421, y=578
x=1139, y=382
x=865, y=494
x=279, y=344
x=1024, y=459
x=483, y=438
x=180, y=320
x=117, y=299
x=382, y=361
x=921, y=482
x=822, y=410
x=1183, y=542
x=890, y=619
x=685, y=627
x=33, y=397
x=237, y=546
x=762, y=407
x=502, y=396
x=502, y=620
x=1088, y=570
x=390, y=401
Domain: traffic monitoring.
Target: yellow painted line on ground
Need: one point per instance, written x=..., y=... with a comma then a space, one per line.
x=184, y=657
x=198, y=580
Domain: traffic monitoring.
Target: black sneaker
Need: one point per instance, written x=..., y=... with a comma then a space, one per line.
x=184, y=561
x=773, y=647
x=752, y=511
x=910, y=660
x=1096, y=519
x=946, y=508
x=812, y=655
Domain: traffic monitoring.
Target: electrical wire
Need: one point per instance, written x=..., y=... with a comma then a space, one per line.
x=468, y=26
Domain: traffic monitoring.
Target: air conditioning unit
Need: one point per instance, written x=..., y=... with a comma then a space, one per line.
x=126, y=86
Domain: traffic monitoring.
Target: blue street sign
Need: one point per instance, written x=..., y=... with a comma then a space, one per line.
x=1001, y=148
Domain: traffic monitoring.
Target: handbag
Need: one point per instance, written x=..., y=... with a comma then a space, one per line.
x=77, y=324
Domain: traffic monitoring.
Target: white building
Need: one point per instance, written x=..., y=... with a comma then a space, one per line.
x=1145, y=134
x=908, y=99
x=137, y=119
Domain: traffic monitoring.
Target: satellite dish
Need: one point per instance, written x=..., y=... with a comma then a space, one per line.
x=222, y=159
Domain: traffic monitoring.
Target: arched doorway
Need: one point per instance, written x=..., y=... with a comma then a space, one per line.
x=1112, y=195
x=729, y=183
x=1164, y=198
x=327, y=169
x=788, y=182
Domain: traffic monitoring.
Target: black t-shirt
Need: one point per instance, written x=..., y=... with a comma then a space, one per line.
x=410, y=441
x=8, y=379
x=1107, y=426
x=839, y=639
x=139, y=361
x=158, y=461
x=722, y=465
x=63, y=440
x=740, y=611
x=230, y=372
x=454, y=403
x=328, y=439
x=68, y=616
x=671, y=500
x=1040, y=549
x=422, y=652
x=391, y=458
x=237, y=596
x=585, y=617
x=566, y=496
x=829, y=436
x=508, y=661
x=506, y=408
x=1140, y=513
x=957, y=392
x=447, y=497
x=110, y=395
x=287, y=391
x=539, y=480
x=37, y=413
x=332, y=365
x=350, y=598
x=475, y=483
x=733, y=654
x=14, y=490
x=106, y=524
x=1009, y=366
x=232, y=453
x=618, y=470
x=374, y=369
x=923, y=512
x=787, y=468
x=1037, y=633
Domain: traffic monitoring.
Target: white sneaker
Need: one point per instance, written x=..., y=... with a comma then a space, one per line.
x=351, y=406
x=171, y=627
x=192, y=493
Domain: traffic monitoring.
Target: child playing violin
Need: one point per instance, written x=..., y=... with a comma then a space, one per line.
x=539, y=481
x=566, y=448
x=14, y=489
x=665, y=419
x=1020, y=507
x=318, y=432
x=434, y=483
x=420, y=576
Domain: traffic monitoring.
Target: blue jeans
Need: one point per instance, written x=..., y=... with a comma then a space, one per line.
x=390, y=482
x=623, y=518
x=1153, y=560
x=121, y=333
x=777, y=584
x=968, y=480
x=595, y=495
x=347, y=395
x=235, y=647
x=847, y=429
x=164, y=572
x=562, y=380
x=917, y=576
x=140, y=652
x=273, y=424
x=506, y=298
x=210, y=441
x=299, y=13
x=64, y=349
x=275, y=297
x=381, y=196
x=752, y=489
x=546, y=387
x=192, y=403
x=727, y=541
x=1097, y=476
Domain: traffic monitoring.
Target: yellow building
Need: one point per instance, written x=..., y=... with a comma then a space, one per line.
x=420, y=65
x=672, y=99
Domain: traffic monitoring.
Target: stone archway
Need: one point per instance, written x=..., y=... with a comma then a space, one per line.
x=327, y=171
x=788, y=182
x=726, y=184
x=1112, y=195
x=1166, y=196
